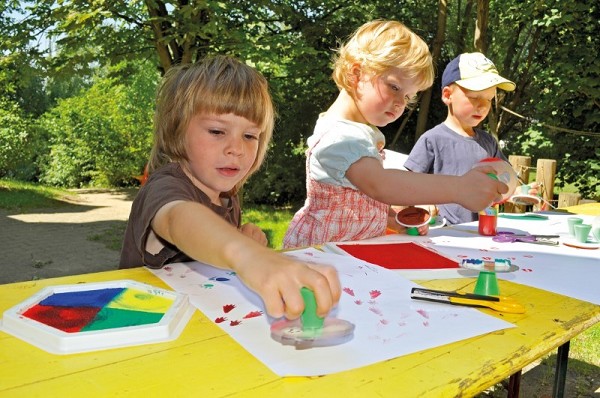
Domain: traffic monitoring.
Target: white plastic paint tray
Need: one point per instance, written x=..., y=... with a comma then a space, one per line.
x=136, y=314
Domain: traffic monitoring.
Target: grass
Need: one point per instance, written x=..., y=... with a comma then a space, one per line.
x=272, y=221
x=585, y=348
x=23, y=196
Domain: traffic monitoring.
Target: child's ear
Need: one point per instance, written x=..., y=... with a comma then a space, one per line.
x=355, y=71
x=446, y=95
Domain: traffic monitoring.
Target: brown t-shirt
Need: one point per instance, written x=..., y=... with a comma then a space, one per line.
x=167, y=184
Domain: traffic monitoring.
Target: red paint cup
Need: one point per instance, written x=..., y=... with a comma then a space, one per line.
x=488, y=221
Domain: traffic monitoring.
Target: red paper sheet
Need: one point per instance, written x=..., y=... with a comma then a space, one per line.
x=399, y=256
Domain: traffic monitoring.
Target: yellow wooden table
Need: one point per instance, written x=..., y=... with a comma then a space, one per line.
x=205, y=362
x=590, y=209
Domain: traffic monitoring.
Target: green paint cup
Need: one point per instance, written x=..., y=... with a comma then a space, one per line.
x=582, y=231
x=572, y=221
x=487, y=284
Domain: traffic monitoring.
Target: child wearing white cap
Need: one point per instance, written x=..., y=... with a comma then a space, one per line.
x=453, y=147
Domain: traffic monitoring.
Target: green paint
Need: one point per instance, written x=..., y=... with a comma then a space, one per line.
x=111, y=318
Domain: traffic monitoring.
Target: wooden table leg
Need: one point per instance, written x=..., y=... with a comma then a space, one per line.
x=562, y=359
x=514, y=384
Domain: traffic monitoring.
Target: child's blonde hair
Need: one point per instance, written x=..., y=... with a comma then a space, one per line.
x=215, y=85
x=380, y=45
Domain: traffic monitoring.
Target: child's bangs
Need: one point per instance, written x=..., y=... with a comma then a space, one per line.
x=246, y=100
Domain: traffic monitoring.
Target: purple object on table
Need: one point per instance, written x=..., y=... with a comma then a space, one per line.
x=505, y=236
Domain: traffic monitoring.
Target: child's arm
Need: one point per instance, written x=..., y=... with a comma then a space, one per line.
x=206, y=237
x=474, y=190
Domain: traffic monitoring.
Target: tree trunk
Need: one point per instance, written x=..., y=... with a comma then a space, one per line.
x=481, y=27
x=463, y=24
x=481, y=44
x=172, y=51
x=438, y=42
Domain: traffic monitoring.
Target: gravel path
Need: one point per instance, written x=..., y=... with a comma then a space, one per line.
x=48, y=243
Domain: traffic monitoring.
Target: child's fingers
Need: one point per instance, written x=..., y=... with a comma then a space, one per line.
x=274, y=305
x=293, y=302
x=326, y=287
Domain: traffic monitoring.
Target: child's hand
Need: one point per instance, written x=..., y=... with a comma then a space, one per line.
x=423, y=230
x=533, y=189
x=478, y=190
x=278, y=280
x=254, y=232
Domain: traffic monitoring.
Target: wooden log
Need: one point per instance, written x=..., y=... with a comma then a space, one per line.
x=521, y=165
x=544, y=176
x=566, y=199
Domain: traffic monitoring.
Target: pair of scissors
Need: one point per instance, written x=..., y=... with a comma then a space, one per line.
x=506, y=236
x=498, y=303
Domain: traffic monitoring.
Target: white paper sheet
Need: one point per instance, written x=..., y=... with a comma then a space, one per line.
x=388, y=322
x=560, y=269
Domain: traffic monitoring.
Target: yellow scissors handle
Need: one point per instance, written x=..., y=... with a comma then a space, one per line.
x=505, y=304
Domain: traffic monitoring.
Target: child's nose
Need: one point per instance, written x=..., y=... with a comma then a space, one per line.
x=400, y=102
x=235, y=146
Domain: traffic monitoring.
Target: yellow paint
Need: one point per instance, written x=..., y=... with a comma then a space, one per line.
x=134, y=299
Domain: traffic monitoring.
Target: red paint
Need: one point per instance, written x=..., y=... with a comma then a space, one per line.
x=375, y=293
x=253, y=314
x=375, y=311
x=67, y=319
x=220, y=319
x=234, y=323
x=228, y=307
x=399, y=256
x=349, y=291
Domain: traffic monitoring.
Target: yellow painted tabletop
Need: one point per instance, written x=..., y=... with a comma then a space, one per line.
x=590, y=209
x=205, y=362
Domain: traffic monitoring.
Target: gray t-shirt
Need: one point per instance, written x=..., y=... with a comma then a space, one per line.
x=441, y=150
x=167, y=184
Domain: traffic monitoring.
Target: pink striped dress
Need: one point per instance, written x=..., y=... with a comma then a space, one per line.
x=333, y=212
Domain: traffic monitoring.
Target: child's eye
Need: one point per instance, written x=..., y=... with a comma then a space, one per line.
x=251, y=136
x=394, y=87
x=215, y=131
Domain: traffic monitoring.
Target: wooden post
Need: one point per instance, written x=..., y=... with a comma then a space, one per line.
x=566, y=199
x=521, y=165
x=545, y=174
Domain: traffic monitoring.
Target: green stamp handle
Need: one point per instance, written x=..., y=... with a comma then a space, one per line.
x=412, y=231
x=309, y=317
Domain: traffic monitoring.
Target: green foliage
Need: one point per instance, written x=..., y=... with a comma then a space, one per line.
x=56, y=50
x=101, y=137
x=20, y=144
x=557, y=70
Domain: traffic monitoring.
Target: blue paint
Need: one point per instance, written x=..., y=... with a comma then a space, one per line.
x=219, y=279
x=85, y=298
